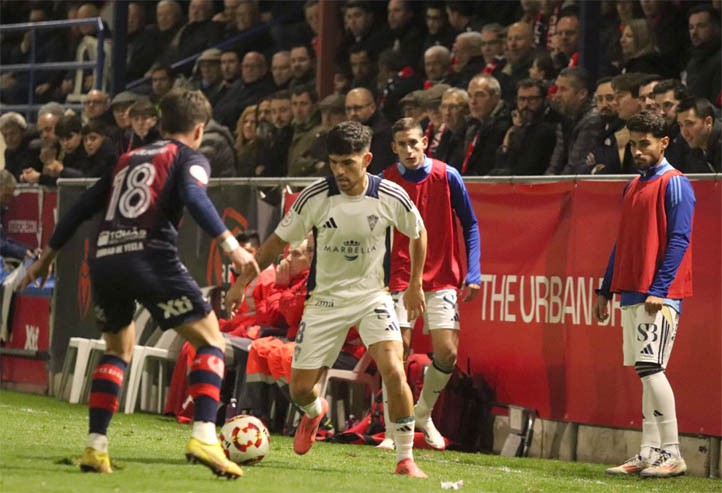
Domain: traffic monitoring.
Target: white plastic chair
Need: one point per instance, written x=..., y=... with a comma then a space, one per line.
x=148, y=373
x=84, y=354
x=358, y=375
x=88, y=51
x=148, y=376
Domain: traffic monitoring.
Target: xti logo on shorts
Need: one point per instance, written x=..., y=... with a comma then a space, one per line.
x=173, y=308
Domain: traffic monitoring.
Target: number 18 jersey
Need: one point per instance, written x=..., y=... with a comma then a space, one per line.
x=142, y=200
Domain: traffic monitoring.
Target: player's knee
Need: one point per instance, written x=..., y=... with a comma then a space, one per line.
x=394, y=377
x=445, y=360
x=300, y=390
x=646, y=369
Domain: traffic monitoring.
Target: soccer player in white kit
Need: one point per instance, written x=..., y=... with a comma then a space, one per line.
x=352, y=216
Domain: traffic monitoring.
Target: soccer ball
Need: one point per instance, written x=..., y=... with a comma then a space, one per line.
x=245, y=439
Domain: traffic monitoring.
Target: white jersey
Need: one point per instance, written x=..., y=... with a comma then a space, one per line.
x=352, y=234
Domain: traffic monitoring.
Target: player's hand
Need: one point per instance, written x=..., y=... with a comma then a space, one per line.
x=414, y=301
x=234, y=298
x=653, y=304
x=601, y=308
x=37, y=273
x=470, y=291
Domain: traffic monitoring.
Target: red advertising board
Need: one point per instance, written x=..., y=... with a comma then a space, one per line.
x=29, y=333
x=531, y=333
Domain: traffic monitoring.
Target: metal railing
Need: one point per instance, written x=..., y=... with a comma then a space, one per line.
x=32, y=66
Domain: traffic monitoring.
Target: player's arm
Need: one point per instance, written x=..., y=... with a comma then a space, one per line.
x=604, y=293
x=414, y=300
x=194, y=178
x=679, y=204
x=461, y=203
x=87, y=205
x=265, y=255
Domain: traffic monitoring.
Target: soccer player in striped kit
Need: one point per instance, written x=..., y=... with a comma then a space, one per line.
x=651, y=267
x=136, y=258
x=440, y=195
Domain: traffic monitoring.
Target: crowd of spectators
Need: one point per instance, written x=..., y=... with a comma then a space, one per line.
x=497, y=86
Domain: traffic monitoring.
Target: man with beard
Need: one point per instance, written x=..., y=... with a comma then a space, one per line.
x=529, y=143
x=606, y=148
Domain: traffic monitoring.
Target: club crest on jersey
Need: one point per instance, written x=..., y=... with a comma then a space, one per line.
x=373, y=219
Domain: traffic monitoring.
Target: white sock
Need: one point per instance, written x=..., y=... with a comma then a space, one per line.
x=97, y=441
x=665, y=412
x=650, y=430
x=313, y=409
x=205, y=431
x=389, y=432
x=404, y=438
x=435, y=381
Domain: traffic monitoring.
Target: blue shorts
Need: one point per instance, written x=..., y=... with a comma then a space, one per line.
x=159, y=282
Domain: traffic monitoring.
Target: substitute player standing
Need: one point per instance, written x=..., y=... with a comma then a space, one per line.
x=439, y=193
x=136, y=258
x=651, y=267
x=352, y=215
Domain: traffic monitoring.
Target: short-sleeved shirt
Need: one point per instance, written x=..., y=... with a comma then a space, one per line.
x=353, y=234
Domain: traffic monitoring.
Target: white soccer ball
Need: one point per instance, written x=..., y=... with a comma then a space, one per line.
x=245, y=439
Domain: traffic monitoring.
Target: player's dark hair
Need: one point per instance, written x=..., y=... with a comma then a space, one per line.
x=648, y=122
x=404, y=124
x=348, y=137
x=181, y=110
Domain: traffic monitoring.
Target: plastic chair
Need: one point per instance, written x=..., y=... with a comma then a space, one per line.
x=358, y=375
x=149, y=375
x=83, y=354
x=88, y=50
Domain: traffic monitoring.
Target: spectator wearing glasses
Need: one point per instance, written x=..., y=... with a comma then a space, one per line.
x=361, y=107
x=454, y=109
x=529, y=142
x=438, y=30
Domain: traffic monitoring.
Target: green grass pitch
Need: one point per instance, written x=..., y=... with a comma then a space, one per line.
x=40, y=438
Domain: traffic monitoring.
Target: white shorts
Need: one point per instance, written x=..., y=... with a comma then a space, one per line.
x=326, y=322
x=442, y=310
x=648, y=338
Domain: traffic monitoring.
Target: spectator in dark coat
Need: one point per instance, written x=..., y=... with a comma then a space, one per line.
x=578, y=132
x=69, y=131
x=639, y=50
x=248, y=24
x=704, y=70
x=52, y=167
x=489, y=120
x=361, y=28
x=438, y=30
x=361, y=107
x=281, y=70
x=143, y=120
x=703, y=133
x=141, y=48
x=667, y=95
x=468, y=58
x=407, y=33
x=255, y=83
x=529, y=142
x=169, y=19
x=606, y=156
x=217, y=146
x=396, y=80
x=102, y=152
x=200, y=33
x=19, y=154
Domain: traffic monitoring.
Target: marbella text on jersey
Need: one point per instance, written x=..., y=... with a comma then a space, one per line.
x=542, y=299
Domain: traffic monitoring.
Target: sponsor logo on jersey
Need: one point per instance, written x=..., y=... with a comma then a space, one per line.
x=106, y=238
x=324, y=303
x=350, y=249
x=330, y=224
x=373, y=219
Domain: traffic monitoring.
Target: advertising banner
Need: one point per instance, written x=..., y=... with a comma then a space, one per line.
x=531, y=332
